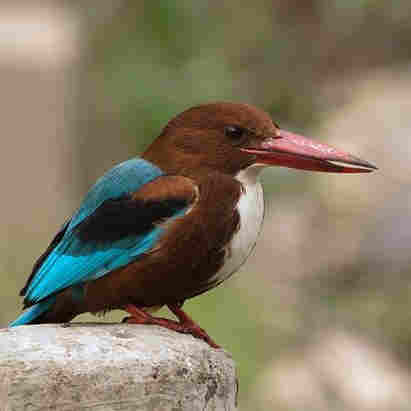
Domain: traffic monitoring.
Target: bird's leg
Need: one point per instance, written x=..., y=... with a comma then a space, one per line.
x=188, y=325
x=185, y=325
x=139, y=316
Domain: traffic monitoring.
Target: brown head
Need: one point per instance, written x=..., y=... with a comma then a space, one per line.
x=229, y=137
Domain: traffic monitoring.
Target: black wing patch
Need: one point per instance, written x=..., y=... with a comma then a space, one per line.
x=42, y=258
x=124, y=216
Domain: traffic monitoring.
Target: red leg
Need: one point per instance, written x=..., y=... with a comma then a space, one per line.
x=190, y=326
x=185, y=325
x=139, y=316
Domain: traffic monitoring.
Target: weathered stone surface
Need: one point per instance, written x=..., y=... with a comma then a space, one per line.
x=111, y=367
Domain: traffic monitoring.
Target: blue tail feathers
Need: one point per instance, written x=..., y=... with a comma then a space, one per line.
x=35, y=311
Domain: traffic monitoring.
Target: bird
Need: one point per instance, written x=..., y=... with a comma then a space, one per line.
x=159, y=229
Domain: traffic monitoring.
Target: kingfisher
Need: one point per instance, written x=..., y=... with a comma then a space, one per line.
x=174, y=223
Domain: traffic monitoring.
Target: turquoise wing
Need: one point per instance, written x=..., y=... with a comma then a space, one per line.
x=73, y=261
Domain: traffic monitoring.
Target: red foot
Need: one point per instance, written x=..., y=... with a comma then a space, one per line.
x=185, y=325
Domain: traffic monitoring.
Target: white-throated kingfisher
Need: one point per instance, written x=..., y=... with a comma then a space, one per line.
x=174, y=223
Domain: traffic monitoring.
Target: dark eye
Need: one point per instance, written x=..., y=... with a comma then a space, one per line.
x=234, y=132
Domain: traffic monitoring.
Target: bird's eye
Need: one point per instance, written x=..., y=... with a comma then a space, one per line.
x=234, y=132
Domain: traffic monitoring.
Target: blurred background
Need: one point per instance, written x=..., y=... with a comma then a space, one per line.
x=320, y=317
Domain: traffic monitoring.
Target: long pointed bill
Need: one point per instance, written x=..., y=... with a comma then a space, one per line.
x=295, y=151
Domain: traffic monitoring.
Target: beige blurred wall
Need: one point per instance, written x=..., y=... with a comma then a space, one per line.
x=39, y=49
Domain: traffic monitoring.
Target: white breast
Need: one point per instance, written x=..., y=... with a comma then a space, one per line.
x=251, y=209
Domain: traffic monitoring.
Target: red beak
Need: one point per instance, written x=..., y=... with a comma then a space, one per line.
x=292, y=150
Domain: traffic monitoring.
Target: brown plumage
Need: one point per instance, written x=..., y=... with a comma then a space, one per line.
x=190, y=252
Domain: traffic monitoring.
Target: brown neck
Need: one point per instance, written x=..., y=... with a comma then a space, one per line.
x=176, y=161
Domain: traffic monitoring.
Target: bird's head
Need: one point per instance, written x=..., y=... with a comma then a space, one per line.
x=230, y=137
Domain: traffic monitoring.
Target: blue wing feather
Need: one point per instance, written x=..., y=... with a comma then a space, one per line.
x=74, y=261
x=124, y=178
x=33, y=312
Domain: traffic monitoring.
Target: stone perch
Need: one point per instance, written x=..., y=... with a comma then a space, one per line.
x=111, y=367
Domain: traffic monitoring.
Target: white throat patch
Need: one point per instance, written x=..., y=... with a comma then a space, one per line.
x=251, y=209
